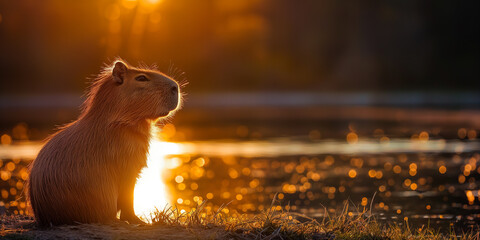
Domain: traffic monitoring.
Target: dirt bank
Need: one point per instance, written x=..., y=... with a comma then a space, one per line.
x=19, y=227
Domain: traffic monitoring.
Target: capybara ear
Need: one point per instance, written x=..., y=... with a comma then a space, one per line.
x=119, y=71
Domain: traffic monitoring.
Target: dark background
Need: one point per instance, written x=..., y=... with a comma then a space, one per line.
x=52, y=46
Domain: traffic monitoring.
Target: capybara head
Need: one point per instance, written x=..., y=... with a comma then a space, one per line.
x=128, y=94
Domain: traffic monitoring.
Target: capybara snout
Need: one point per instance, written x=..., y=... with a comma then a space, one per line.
x=172, y=94
x=168, y=95
x=175, y=97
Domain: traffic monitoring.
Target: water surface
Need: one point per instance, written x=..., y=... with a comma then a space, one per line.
x=432, y=181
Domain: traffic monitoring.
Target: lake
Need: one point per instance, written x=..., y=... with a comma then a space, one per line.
x=426, y=174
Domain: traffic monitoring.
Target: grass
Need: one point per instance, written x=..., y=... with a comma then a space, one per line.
x=282, y=224
x=273, y=223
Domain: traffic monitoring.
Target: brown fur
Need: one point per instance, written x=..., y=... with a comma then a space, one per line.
x=86, y=172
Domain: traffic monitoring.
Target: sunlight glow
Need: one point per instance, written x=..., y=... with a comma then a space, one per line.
x=150, y=191
x=150, y=5
x=153, y=1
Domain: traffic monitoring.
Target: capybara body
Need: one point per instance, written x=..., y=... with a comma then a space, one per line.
x=87, y=171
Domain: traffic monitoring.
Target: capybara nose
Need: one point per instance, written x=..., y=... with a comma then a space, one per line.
x=174, y=90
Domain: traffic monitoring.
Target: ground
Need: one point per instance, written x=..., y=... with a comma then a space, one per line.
x=194, y=225
x=15, y=228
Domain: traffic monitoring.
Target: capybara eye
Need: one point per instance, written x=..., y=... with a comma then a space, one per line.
x=141, y=78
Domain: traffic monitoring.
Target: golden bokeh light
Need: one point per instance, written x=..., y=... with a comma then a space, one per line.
x=470, y=197
x=364, y=201
x=209, y=195
x=423, y=136
x=472, y=134
x=352, y=138
x=352, y=173
x=179, y=179
x=5, y=139
x=462, y=133
x=461, y=178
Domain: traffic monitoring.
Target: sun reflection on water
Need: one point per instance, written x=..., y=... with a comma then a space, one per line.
x=150, y=191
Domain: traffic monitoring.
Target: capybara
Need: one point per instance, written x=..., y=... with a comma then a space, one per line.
x=86, y=172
